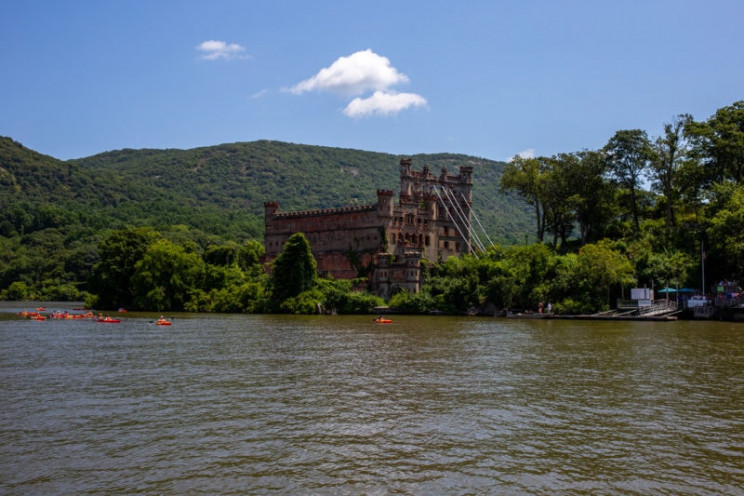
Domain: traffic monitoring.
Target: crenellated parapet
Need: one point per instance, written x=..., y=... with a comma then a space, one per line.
x=326, y=212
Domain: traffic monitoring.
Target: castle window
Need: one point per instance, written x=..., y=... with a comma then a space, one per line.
x=457, y=246
x=426, y=240
x=446, y=245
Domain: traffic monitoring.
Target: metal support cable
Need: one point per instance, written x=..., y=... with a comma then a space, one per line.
x=478, y=221
x=457, y=226
x=461, y=214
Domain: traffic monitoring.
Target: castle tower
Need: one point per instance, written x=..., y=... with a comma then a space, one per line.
x=406, y=179
x=466, y=183
x=385, y=203
x=270, y=210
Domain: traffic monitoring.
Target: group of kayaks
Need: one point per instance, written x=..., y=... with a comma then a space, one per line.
x=38, y=315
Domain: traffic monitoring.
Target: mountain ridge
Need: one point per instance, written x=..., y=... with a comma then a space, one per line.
x=236, y=178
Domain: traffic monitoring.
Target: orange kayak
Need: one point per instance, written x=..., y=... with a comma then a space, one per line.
x=383, y=321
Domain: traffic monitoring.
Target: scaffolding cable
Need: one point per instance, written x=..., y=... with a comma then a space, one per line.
x=461, y=213
x=472, y=212
x=457, y=226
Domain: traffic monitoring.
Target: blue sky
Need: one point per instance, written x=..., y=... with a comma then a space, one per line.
x=485, y=78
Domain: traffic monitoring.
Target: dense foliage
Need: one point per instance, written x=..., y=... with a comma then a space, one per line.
x=54, y=214
x=179, y=229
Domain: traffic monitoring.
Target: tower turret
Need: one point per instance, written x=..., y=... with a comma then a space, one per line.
x=385, y=203
x=406, y=180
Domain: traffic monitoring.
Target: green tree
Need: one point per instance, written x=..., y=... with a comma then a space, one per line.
x=719, y=143
x=526, y=176
x=165, y=276
x=592, y=196
x=670, y=151
x=671, y=268
x=250, y=254
x=726, y=231
x=600, y=267
x=119, y=254
x=294, y=270
x=628, y=155
x=18, y=290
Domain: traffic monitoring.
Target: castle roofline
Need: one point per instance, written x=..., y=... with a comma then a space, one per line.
x=327, y=211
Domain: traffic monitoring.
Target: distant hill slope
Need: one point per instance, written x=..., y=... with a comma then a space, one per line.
x=239, y=177
x=221, y=189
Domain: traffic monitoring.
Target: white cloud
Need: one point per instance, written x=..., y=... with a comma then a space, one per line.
x=528, y=153
x=383, y=103
x=353, y=75
x=215, y=49
x=358, y=74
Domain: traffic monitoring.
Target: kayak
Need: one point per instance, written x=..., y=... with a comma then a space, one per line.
x=383, y=321
x=165, y=322
x=109, y=320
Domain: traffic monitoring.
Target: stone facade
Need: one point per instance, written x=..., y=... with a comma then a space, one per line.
x=431, y=220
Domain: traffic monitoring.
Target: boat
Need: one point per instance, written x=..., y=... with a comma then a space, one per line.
x=108, y=320
x=381, y=320
x=162, y=321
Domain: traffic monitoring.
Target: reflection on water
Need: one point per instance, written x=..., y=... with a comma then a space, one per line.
x=236, y=404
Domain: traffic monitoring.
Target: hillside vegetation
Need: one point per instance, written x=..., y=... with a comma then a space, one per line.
x=55, y=213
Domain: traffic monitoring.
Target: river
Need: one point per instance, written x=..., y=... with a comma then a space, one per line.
x=255, y=404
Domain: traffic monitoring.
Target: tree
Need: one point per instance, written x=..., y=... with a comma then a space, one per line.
x=719, y=143
x=165, y=276
x=670, y=268
x=670, y=152
x=593, y=195
x=525, y=176
x=559, y=213
x=725, y=232
x=119, y=254
x=628, y=154
x=294, y=270
x=600, y=266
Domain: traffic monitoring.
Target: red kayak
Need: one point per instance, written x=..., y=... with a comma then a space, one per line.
x=109, y=320
x=383, y=321
x=165, y=322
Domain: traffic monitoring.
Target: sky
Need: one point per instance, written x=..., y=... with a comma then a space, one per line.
x=492, y=79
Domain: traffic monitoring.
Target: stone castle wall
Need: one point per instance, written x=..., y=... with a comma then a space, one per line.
x=421, y=225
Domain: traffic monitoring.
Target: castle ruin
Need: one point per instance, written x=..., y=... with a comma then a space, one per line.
x=384, y=241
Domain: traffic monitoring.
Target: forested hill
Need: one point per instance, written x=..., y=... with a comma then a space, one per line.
x=54, y=213
x=221, y=189
x=237, y=178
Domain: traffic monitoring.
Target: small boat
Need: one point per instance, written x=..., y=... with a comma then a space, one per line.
x=108, y=320
x=38, y=317
x=162, y=321
x=381, y=320
x=40, y=309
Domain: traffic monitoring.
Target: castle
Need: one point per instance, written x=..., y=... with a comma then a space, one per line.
x=384, y=241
